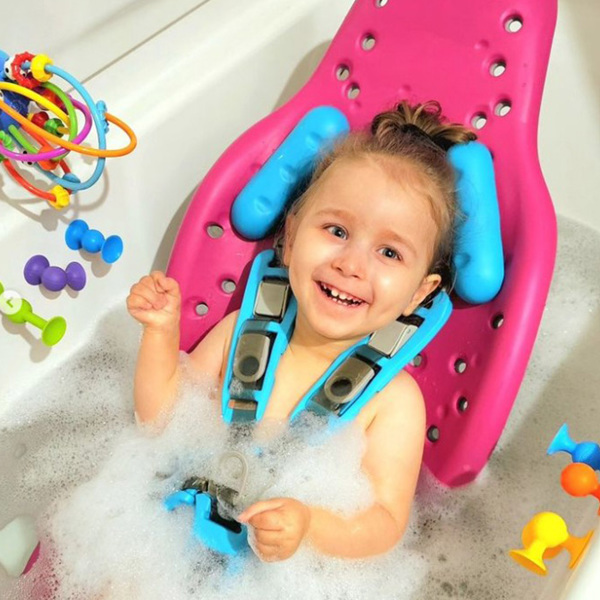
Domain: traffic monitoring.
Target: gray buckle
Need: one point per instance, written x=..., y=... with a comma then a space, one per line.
x=271, y=299
x=392, y=337
x=229, y=483
x=347, y=381
x=251, y=356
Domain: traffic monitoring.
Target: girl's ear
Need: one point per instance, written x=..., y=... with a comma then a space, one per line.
x=428, y=285
x=289, y=232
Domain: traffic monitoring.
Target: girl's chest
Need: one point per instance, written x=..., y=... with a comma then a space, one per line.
x=290, y=387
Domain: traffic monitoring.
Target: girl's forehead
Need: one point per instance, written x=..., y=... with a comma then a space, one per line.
x=364, y=192
x=367, y=186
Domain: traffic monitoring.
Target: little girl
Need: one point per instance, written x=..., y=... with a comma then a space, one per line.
x=375, y=226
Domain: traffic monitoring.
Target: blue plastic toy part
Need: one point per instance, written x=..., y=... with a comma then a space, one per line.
x=260, y=205
x=582, y=452
x=208, y=527
x=79, y=235
x=478, y=257
x=16, y=102
x=280, y=332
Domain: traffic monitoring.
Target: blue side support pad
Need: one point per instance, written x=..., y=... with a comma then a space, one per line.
x=435, y=317
x=213, y=535
x=281, y=333
x=261, y=204
x=478, y=257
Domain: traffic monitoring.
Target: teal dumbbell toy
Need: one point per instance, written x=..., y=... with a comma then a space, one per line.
x=18, y=310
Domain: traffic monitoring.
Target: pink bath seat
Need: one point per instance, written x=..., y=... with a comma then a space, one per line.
x=485, y=62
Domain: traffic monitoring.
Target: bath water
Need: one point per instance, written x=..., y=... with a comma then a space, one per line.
x=72, y=456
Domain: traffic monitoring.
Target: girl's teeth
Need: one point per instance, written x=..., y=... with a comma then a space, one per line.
x=339, y=295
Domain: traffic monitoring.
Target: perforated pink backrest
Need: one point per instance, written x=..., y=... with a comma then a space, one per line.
x=444, y=50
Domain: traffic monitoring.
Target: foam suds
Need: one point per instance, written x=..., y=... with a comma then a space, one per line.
x=73, y=457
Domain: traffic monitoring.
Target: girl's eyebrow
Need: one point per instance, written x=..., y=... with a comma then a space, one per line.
x=388, y=233
x=336, y=212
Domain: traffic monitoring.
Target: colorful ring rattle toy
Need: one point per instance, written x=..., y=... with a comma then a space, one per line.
x=26, y=98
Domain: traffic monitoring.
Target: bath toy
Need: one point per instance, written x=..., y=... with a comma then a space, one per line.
x=579, y=479
x=79, y=235
x=19, y=545
x=25, y=89
x=19, y=311
x=582, y=452
x=38, y=270
x=545, y=536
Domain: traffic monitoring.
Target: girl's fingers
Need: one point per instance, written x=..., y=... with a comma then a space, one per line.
x=259, y=507
x=137, y=302
x=146, y=293
x=266, y=537
x=170, y=286
x=165, y=284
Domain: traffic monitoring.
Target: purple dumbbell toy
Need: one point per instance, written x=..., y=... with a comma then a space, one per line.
x=79, y=235
x=38, y=270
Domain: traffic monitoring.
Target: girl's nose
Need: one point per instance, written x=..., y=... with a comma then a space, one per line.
x=350, y=262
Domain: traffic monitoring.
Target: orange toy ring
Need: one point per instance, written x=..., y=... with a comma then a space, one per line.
x=58, y=198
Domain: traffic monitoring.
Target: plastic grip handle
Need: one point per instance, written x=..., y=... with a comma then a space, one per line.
x=261, y=203
x=478, y=257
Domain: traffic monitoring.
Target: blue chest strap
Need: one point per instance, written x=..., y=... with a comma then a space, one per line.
x=263, y=331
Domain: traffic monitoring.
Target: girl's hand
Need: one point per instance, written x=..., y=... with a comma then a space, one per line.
x=279, y=526
x=155, y=302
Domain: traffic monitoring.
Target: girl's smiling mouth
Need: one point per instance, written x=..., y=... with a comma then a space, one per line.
x=338, y=297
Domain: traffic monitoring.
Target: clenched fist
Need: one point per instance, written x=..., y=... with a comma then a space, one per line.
x=155, y=302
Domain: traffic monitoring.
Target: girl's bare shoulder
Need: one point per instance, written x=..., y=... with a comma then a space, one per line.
x=401, y=399
x=210, y=355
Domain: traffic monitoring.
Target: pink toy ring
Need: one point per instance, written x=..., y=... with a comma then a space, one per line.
x=59, y=151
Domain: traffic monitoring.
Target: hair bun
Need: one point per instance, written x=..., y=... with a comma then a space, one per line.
x=421, y=122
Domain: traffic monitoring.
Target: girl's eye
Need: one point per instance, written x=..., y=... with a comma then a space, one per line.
x=335, y=230
x=391, y=253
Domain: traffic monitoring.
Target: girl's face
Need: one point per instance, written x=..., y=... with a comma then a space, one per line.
x=365, y=238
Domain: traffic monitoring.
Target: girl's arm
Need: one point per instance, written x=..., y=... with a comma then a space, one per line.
x=392, y=461
x=155, y=302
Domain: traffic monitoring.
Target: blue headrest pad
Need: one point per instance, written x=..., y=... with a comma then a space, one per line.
x=261, y=204
x=478, y=258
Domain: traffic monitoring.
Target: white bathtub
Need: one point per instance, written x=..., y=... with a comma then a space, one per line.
x=189, y=78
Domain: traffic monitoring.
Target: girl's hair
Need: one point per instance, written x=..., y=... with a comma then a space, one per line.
x=419, y=136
